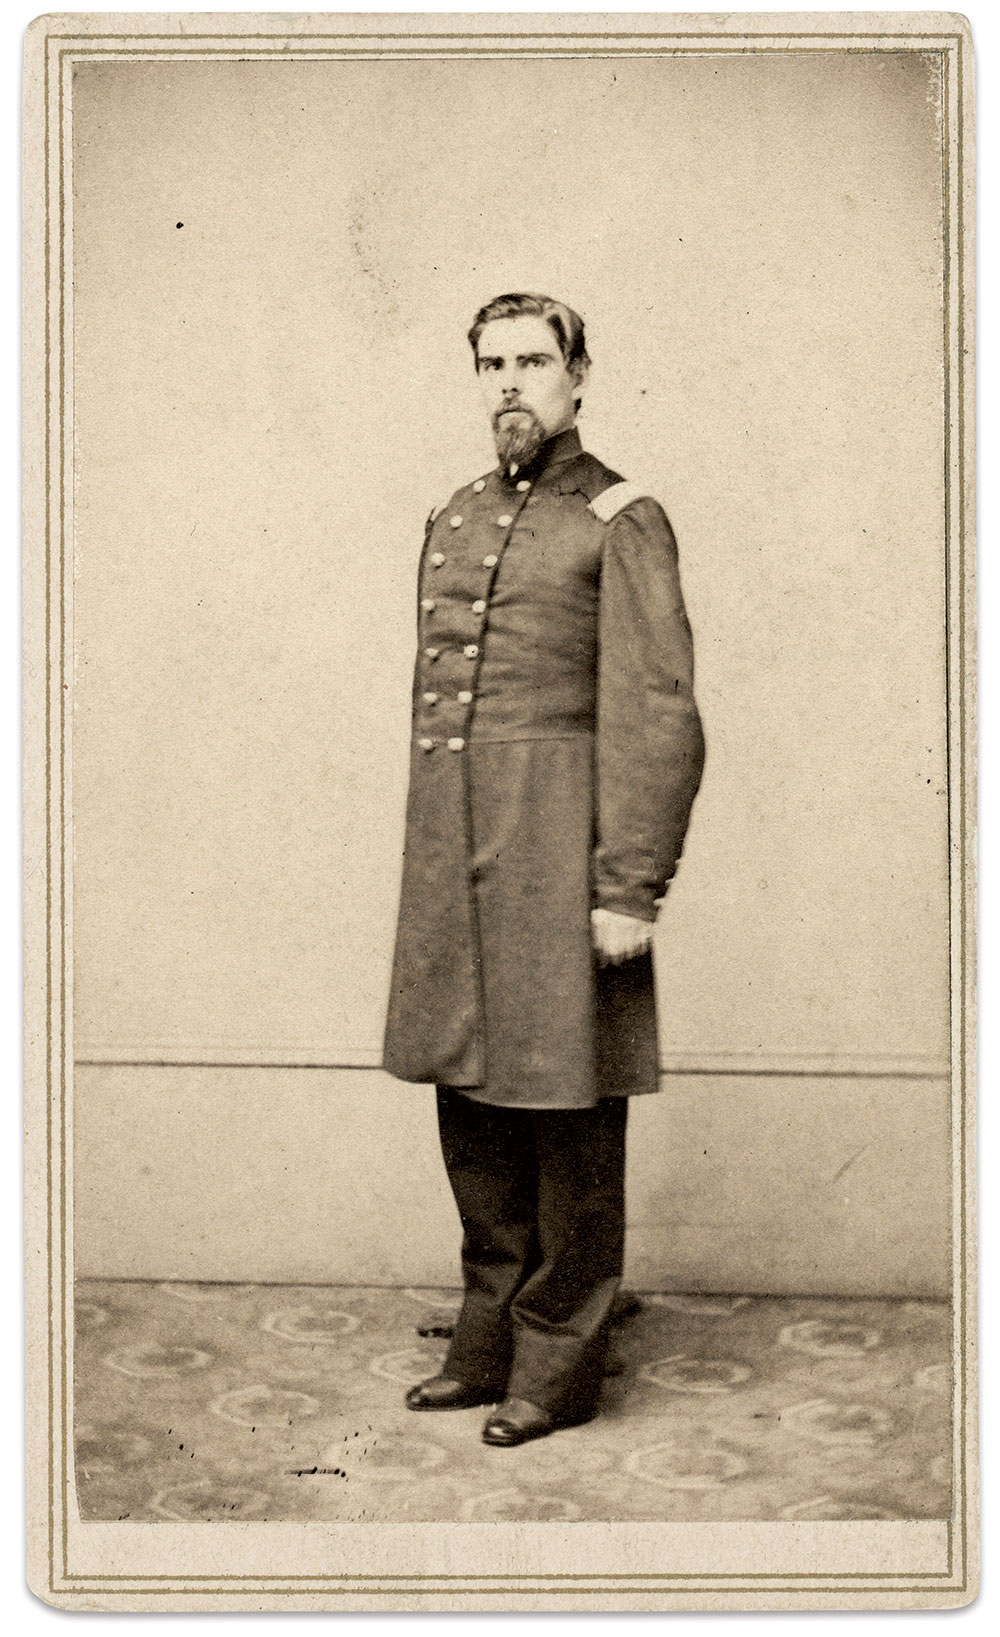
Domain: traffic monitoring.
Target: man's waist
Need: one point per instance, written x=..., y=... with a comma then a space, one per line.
x=505, y=734
x=462, y=729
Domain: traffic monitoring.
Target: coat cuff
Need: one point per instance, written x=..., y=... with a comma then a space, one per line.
x=629, y=885
x=641, y=905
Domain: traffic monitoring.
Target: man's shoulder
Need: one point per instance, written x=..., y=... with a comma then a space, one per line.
x=617, y=496
x=607, y=491
x=591, y=476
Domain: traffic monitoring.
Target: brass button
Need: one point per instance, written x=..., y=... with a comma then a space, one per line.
x=465, y=697
x=428, y=604
x=456, y=744
x=437, y=558
x=491, y=560
x=479, y=607
x=524, y=485
x=426, y=744
x=429, y=698
x=504, y=520
x=431, y=653
x=471, y=650
x=456, y=522
x=479, y=485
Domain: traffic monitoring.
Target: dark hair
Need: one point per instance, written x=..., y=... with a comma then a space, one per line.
x=566, y=325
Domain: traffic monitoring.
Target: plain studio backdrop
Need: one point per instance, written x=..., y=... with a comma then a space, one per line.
x=274, y=268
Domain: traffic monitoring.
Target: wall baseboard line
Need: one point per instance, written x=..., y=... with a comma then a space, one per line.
x=759, y=1065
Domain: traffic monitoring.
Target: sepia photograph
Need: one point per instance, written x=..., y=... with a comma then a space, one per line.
x=500, y=788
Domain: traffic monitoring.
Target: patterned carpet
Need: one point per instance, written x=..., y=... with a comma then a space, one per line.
x=207, y=1402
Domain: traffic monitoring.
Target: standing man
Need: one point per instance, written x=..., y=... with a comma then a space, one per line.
x=557, y=750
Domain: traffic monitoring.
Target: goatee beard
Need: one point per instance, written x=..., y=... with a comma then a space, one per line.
x=519, y=439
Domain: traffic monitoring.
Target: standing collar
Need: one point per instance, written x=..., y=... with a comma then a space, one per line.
x=564, y=446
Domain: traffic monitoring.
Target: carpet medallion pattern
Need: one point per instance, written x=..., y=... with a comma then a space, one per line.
x=254, y=1402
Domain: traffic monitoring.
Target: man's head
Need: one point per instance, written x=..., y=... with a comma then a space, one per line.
x=531, y=359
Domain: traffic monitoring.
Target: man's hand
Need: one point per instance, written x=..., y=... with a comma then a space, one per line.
x=618, y=937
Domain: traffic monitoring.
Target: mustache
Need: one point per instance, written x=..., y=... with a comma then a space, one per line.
x=512, y=409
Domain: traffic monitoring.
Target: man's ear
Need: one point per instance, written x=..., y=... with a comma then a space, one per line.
x=578, y=374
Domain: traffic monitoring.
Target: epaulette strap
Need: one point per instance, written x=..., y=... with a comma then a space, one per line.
x=613, y=500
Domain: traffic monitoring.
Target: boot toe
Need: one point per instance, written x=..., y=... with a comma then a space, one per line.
x=444, y=1393
x=515, y=1422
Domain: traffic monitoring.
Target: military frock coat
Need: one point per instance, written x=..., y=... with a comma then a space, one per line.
x=556, y=753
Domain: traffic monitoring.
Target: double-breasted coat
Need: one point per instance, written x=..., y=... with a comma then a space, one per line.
x=556, y=753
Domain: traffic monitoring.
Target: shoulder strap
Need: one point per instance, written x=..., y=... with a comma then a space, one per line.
x=613, y=500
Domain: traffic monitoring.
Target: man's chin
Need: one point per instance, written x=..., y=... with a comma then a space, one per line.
x=518, y=436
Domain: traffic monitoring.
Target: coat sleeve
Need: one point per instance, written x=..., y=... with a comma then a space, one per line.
x=650, y=749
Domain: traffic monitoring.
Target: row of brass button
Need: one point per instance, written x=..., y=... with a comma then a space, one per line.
x=428, y=604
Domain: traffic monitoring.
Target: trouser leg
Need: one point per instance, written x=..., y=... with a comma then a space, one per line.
x=490, y=1160
x=561, y=1313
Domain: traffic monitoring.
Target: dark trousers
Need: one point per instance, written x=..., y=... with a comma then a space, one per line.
x=541, y=1196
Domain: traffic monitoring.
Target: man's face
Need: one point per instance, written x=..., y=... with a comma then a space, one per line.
x=529, y=393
